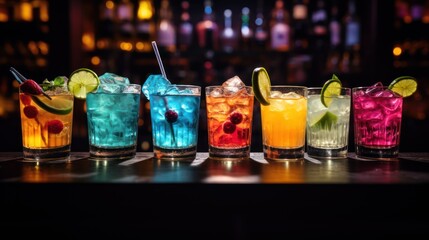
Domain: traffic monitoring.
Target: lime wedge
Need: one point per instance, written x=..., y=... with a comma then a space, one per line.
x=83, y=81
x=330, y=89
x=323, y=120
x=404, y=86
x=261, y=85
x=59, y=106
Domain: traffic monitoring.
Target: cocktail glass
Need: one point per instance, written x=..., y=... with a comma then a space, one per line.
x=229, y=120
x=284, y=123
x=46, y=125
x=174, y=111
x=328, y=127
x=113, y=112
x=377, y=122
x=175, y=116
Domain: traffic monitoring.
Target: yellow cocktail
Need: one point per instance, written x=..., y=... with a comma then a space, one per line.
x=284, y=123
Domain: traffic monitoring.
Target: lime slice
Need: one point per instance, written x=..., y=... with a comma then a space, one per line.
x=83, y=81
x=404, y=86
x=59, y=106
x=261, y=85
x=330, y=89
x=323, y=120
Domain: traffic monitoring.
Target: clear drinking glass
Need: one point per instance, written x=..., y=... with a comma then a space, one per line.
x=229, y=121
x=284, y=122
x=113, y=112
x=328, y=126
x=175, y=116
x=377, y=122
x=46, y=126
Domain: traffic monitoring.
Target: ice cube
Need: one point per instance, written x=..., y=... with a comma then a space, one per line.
x=374, y=89
x=131, y=89
x=217, y=92
x=113, y=78
x=233, y=85
x=155, y=84
x=275, y=94
x=290, y=95
x=391, y=105
x=385, y=93
x=110, y=88
x=172, y=90
x=234, y=82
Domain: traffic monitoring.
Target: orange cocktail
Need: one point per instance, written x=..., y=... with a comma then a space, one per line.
x=46, y=126
x=229, y=120
x=284, y=122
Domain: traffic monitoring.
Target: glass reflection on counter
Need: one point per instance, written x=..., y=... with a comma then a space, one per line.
x=173, y=171
x=40, y=172
x=380, y=171
x=230, y=171
x=332, y=170
x=283, y=172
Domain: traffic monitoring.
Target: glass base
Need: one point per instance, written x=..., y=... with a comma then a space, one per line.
x=175, y=154
x=282, y=154
x=324, y=153
x=386, y=154
x=97, y=153
x=44, y=155
x=229, y=153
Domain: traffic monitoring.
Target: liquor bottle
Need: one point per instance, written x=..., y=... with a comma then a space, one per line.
x=106, y=33
x=352, y=26
x=186, y=29
x=320, y=25
x=300, y=25
x=207, y=29
x=333, y=59
x=351, y=53
x=166, y=32
x=145, y=27
x=125, y=18
x=229, y=36
x=334, y=28
x=245, y=30
x=280, y=29
x=261, y=34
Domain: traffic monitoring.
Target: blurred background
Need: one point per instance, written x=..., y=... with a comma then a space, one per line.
x=299, y=42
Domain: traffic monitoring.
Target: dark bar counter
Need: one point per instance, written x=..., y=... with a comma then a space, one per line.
x=209, y=199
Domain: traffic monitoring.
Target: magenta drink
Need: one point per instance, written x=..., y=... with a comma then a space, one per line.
x=377, y=122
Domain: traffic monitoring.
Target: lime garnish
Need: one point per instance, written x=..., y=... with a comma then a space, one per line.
x=83, y=81
x=330, y=89
x=59, y=106
x=261, y=85
x=404, y=86
x=324, y=120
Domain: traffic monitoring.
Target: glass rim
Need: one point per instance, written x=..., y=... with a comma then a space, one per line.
x=316, y=88
x=186, y=85
x=366, y=87
x=124, y=84
x=288, y=86
x=49, y=93
x=220, y=86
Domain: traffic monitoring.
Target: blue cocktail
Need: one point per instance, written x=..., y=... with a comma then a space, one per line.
x=113, y=112
x=174, y=113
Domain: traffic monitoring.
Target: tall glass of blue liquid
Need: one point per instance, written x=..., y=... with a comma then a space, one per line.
x=113, y=112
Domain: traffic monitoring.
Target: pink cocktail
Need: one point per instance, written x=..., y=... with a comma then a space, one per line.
x=377, y=121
